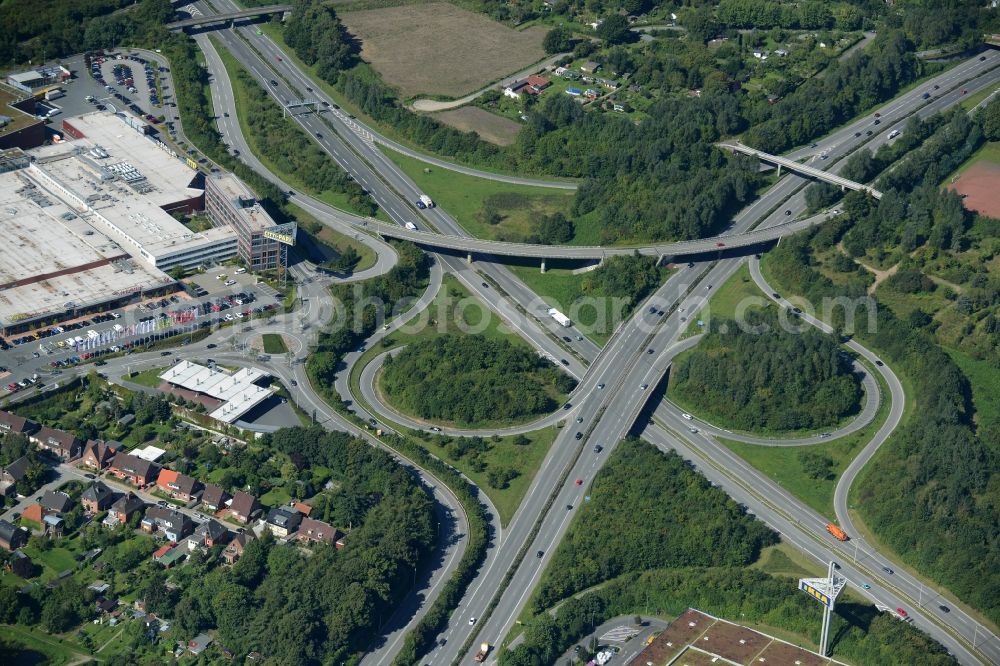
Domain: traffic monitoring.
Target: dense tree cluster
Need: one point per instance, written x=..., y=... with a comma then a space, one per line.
x=471, y=379
x=318, y=37
x=849, y=86
x=774, y=380
x=629, y=277
x=664, y=515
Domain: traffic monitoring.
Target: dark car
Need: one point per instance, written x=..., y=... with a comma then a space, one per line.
x=539, y=554
x=788, y=212
x=888, y=570
x=568, y=405
x=566, y=339
x=564, y=361
x=857, y=134
x=569, y=507
x=598, y=448
x=876, y=122
x=868, y=133
x=926, y=95
x=211, y=346
x=166, y=353
x=650, y=351
x=318, y=135
x=879, y=363
x=578, y=436
x=944, y=609
x=982, y=58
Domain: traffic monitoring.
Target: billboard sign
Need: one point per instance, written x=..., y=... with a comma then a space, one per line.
x=819, y=595
x=283, y=233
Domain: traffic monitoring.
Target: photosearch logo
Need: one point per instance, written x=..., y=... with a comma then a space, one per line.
x=757, y=315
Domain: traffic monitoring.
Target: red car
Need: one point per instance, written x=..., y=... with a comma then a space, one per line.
x=902, y=613
x=579, y=482
x=720, y=245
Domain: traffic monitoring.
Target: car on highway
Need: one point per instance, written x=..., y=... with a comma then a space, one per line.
x=926, y=95
x=420, y=204
x=901, y=612
x=273, y=82
x=868, y=133
x=856, y=134
x=472, y=621
x=693, y=431
x=888, y=570
x=564, y=361
x=318, y=135
x=866, y=586
x=566, y=338
x=435, y=429
x=579, y=419
x=578, y=436
x=644, y=386
x=89, y=476
x=166, y=353
x=965, y=91
x=569, y=507
x=720, y=245
x=943, y=608
x=879, y=363
x=982, y=58
x=686, y=416
x=936, y=86
x=788, y=212
x=650, y=351
x=579, y=482
x=211, y=345
x=600, y=386
x=539, y=554
x=598, y=448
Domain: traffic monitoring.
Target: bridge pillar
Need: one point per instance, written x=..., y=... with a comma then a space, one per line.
x=468, y=258
x=543, y=265
x=779, y=171
x=843, y=188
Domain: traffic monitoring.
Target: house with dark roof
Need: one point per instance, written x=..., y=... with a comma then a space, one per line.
x=177, y=485
x=135, y=470
x=63, y=445
x=20, y=565
x=12, y=424
x=243, y=506
x=208, y=534
x=123, y=509
x=11, y=474
x=316, y=531
x=97, y=497
x=213, y=497
x=172, y=523
x=237, y=544
x=98, y=454
x=283, y=522
x=11, y=536
x=57, y=502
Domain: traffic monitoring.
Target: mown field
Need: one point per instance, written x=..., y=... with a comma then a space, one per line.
x=441, y=49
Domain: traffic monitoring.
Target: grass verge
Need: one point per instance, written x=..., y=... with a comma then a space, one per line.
x=274, y=344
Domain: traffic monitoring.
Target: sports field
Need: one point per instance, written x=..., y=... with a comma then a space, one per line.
x=978, y=181
x=441, y=49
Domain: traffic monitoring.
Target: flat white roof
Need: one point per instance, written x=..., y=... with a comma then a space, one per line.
x=232, y=188
x=237, y=390
x=150, y=453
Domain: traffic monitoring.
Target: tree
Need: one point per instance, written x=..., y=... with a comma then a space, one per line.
x=816, y=465
x=555, y=229
x=614, y=29
x=557, y=40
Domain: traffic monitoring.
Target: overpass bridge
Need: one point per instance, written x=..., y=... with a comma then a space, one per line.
x=799, y=168
x=230, y=16
x=477, y=246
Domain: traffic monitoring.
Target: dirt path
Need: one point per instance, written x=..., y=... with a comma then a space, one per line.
x=880, y=276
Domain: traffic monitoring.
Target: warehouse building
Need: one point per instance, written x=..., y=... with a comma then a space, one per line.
x=87, y=223
x=34, y=79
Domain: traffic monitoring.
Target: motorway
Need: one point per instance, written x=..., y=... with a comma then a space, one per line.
x=620, y=362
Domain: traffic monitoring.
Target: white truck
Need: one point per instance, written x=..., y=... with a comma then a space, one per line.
x=411, y=226
x=426, y=200
x=560, y=317
x=55, y=93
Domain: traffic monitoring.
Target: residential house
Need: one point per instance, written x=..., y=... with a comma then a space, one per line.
x=133, y=469
x=515, y=89
x=243, y=506
x=199, y=644
x=761, y=55
x=317, y=531
x=169, y=555
x=301, y=507
x=56, y=502
x=123, y=509
x=209, y=534
x=11, y=536
x=177, y=485
x=97, y=497
x=620, y=108
x=20, y=565
x=213, y=497
x=536, y=84
x=590, y=93
x=59, y=443
x=590, y=67
x=99, y=454
x=174, y=524
x=11, y=474
x=53, y=525
x=12, y=424
x=35, y=512
x=105, y=606
x=235, y=547
x=283, y=522
x=780, y=52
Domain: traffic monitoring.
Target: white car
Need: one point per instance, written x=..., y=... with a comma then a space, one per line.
x=686, y=415
x=229, y=317
x=230, y=283
x=472, y=621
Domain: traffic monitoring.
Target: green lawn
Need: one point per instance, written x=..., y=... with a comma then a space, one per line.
x=783, y=559
x=274, y=344
x=333, y=241
x=736, y=296
x=54, y=560
x=972, y=100
x=41, y=648
x=518, y=205
x=984, y=379
x=150, y=378
x=990, y=152
x=275, y=497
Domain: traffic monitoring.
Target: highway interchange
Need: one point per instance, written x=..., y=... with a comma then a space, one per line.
x=627, y=374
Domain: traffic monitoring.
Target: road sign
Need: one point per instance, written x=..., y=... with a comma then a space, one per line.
x=806, y=586
x=283, y=233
